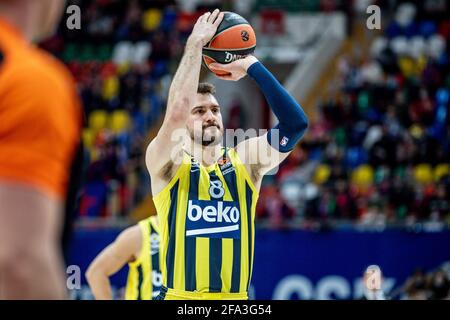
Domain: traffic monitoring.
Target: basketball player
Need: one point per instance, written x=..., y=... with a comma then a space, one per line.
x=139, y=247
x=39, y=135
x=205, y=194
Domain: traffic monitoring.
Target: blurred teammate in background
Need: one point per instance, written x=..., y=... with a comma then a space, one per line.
x=139, y=247
x=206, y=194
x=39, y=137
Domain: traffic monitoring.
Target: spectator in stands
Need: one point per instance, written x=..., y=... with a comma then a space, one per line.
x=439, y=286
x=416, y=286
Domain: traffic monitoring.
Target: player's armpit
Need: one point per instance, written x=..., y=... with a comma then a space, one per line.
x=259, y=156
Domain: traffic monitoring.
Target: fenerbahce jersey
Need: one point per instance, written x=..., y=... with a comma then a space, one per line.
x=144, y=276
x=206, y=219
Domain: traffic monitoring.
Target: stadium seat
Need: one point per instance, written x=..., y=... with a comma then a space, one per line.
x=322, y=173
x=363, y=175
x=110, y=88
x=119, y=121
x=88, y=138
x=123, y=68
x=436, y=46
x=103, y=53
x=122, y=52
x=400, y=45
x=142, y=51
x=169, y=19
x=444, y=29
x=441, y=170
x=98, y=120
x=427, y=28
x=272, y=22
x=186, y=21
x=417, y=46
x=416, y=131
x=378, y=45
x=151, y=19
x=405, y=14
x=355, y=156
x=423, y=173
x=407, y=66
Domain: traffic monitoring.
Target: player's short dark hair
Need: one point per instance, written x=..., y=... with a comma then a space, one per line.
x=205, y=87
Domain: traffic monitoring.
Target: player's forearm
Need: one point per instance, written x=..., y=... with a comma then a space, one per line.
x=100, y=285
x=185, y=82
x=283, y=105
x=292, y=119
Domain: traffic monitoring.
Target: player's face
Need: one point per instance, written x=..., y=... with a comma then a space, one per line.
x=205, y=120
x=50, y=12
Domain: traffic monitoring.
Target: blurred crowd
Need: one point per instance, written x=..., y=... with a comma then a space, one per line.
x=378, y=153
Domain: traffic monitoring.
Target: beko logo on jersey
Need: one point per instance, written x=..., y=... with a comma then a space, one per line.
x=213, y=219
x=213, y=214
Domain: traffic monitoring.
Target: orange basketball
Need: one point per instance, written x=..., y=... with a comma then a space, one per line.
x=234, y=39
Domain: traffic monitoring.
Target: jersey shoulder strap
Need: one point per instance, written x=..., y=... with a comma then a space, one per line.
x=153, y=220
x=240, y=167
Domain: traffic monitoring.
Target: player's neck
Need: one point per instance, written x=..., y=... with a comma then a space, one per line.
x=21, y=18
x=206, y=155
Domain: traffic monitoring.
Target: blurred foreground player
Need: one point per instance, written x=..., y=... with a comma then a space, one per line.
x=39, y=137
x=205, y=194
x=138, y=246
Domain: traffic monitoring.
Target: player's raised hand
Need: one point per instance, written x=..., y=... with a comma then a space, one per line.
x=206, y=26
x=236, y=69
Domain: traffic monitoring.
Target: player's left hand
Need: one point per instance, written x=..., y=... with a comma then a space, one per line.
x=236, y=69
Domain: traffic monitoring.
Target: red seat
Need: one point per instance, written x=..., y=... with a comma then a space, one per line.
x=272, y=22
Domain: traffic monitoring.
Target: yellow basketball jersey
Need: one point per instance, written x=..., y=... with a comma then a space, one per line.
x=144, y=276
x=206, y=219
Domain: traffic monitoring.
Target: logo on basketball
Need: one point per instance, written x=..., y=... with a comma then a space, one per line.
x=244, y=35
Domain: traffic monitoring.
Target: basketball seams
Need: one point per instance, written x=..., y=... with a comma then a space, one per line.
x=238, y=49
x=228, y=28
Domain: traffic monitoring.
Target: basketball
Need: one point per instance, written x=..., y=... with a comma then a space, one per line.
x=234, y=39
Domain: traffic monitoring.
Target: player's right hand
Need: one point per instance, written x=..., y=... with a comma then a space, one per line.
x=236, y=69
x=206, y=26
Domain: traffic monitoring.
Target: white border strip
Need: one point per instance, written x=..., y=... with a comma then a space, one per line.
x=212, y=230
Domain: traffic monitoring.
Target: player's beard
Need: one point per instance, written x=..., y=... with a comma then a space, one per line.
x=211, y=141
